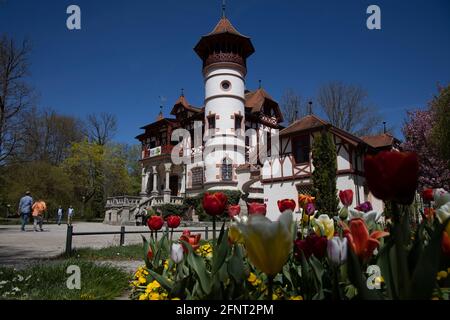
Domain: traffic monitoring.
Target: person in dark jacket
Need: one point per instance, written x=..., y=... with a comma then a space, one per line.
x=25, y=207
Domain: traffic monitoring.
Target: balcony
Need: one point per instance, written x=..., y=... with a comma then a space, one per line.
x=148, y=153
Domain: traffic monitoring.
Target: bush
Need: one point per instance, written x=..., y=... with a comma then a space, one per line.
x=169, y=209
x=233, y=198
x=324, y=175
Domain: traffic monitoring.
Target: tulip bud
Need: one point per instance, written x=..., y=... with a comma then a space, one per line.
x=343, y=214
x=176, y=254
x=337, y=250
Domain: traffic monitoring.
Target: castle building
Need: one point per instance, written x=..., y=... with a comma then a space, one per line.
x=235, y=141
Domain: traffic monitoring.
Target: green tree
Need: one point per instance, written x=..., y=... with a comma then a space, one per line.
x=45, y=181
x=440, y=105
x=98, y=172
x=324, y=175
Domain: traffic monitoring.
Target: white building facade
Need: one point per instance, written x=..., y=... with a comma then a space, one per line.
x=240, y=142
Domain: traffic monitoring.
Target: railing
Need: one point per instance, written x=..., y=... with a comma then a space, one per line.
x=122, y=233
x=122, y=200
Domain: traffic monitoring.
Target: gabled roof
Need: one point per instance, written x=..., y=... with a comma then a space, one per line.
x=160, y=122
x=313, y=122
x=306, y=123
x=183, y=102
x=380, y=140
x=255, y=101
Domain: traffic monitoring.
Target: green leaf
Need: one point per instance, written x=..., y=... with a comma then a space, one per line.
x=236, y=268
x=423, y=278
x=199, y=267
x=357, y=278
x=164, y=282
x=220, y=251
x=318, y=273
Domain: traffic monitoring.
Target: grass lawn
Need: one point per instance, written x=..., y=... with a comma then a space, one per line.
x=48, y=282
x=129, y=252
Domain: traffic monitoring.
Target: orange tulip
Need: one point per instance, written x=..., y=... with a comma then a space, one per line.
x=304, y=199
x=445, y=244
x=359, y=239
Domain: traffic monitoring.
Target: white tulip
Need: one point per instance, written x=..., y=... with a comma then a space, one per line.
x=441, y=197
x=176, y=254
x=337, y=250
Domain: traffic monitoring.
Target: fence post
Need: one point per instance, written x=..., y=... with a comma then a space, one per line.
x=122, y=235
x=69, y=240
x=206, y=232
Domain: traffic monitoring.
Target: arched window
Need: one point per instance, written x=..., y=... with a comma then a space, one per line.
x=227, y=170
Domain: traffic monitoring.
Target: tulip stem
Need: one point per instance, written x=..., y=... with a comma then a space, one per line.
x=214, y=228
x=270, y=287
x=171, y=234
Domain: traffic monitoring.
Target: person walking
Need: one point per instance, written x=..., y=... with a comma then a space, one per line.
x=39, y=208
x=25, y=204
x=59, y=215
x=70, y=213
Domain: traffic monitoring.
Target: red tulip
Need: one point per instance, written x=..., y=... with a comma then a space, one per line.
x=392, y=175
x=186, y=232
x=428, y=195
x=214, y=204
x=311, y=245
x=149, y=254
x=173, y=221
x=346, y=197
x=234, y=210
x=359, y=239
x=193, y=240
x=286, y=204
x=256, y=208
x=445, y=244
x=155, y=223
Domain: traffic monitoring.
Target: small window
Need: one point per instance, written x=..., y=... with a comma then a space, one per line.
x=237, y=122
x=301, y=149
x=197, y=176
x=269, y=144
x=227, y=170
x=212, y=122
x=225, y=85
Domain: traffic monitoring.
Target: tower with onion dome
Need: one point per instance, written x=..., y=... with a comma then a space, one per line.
x=224, y=53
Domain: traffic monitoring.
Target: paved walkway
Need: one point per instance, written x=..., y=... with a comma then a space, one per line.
x=20, y=248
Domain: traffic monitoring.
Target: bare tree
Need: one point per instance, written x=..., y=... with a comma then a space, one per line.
x=101, y=128
x=15, y=95
x=47, y=135
x=346, y=108
x=291, y=106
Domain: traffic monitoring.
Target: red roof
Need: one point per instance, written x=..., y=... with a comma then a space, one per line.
x=380, y=141
x=312, y=122
x=224, y=26
x=183, y=102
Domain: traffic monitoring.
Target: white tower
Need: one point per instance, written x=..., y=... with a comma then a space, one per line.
x=224, y=52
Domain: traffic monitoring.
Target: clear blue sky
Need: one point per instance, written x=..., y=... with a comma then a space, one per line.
x=129, y=53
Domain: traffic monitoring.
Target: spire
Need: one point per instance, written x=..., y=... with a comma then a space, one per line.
x=224, y=7
x=160, y=115
x=310, y=107
x=384, y=127
x=182, y=92
x=259, y=84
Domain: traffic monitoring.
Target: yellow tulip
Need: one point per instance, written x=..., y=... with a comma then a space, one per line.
x=234, y=235
x=324, y=226
x=268, y=243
